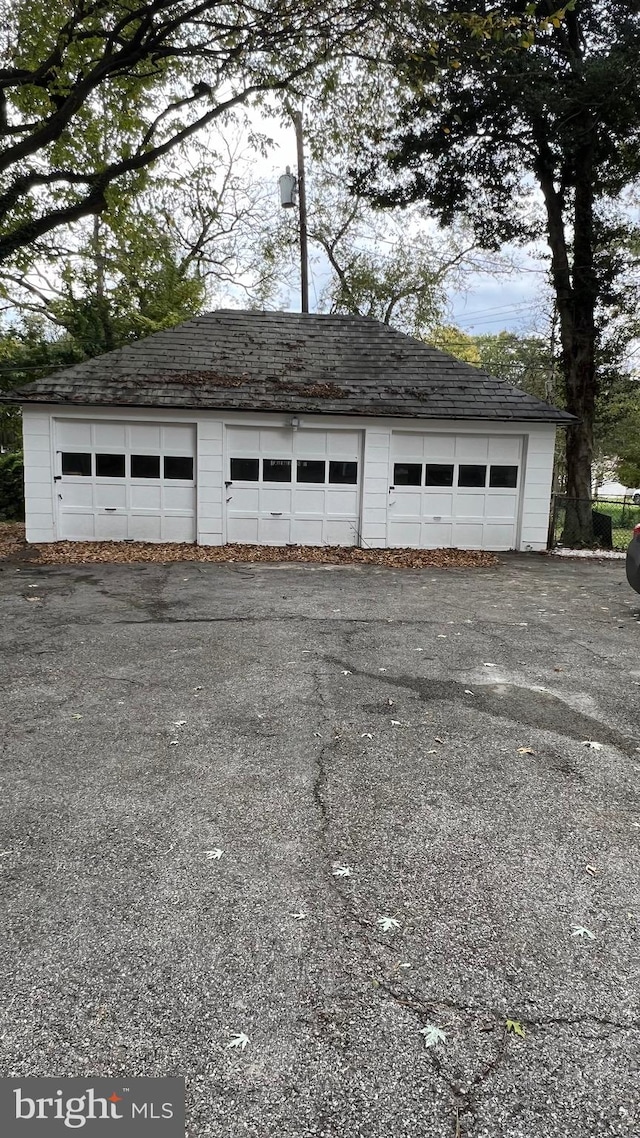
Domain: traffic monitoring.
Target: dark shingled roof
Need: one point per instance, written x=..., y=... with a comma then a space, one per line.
x=292, y=363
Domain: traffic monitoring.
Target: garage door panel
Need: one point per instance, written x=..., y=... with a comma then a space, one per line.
x=178, y=528
x=178, y=439
x=470, y=505
x=338, y=532
x=111, y=527
x=245, y=499
x=278, y=500
x=440, y=504
x=242, y=530
x=275, y=441
x=436, y=535
x=471, y=448
x=402, y=533
x=73, y=434
x=310, y=443
x=498, y=536
x=112, y=436
x=407, y=503
x=500, y=506
x=177, y=497
x=341, y=502
x=81, y=493
x=467, y=535
x=80, y=526
x=439, y=448
x=408, y=446
x=145, y=527
x=144, y=437
x=145, y=497
x=308, y=501
x=307, y=531
x=504, y=450
x=343, y=444
x=274, y=531
x=107, y=494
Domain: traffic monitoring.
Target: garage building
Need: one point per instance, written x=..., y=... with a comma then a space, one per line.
x=278, y=428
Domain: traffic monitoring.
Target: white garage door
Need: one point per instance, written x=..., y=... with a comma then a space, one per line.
x=118, y=481
x=458, y=491
x=293, y=487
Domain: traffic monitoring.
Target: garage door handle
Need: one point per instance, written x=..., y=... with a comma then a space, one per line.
x=276, y=513
x=110, y=509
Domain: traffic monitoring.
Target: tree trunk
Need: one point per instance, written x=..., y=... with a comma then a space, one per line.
x=574, y=284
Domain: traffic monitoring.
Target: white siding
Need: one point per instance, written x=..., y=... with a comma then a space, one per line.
x=537, y=464
x=210, y=482
x=536, y=496
x=39, y=486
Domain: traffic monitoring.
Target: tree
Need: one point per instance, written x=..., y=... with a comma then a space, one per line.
x=526, y=143
x=94, y=94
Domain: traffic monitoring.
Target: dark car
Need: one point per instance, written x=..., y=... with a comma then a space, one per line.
x=633, y=560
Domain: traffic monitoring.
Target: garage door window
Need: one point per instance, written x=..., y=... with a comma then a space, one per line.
x=472, y=476
x=245, y=469
x=145, y=465
x=503, y=477
x=276, y=469
x=407, y=473
x=438, y=474
x=343, y=473
x=178, y=467
x=76, y=464
x=311, y=470
x=110, y=465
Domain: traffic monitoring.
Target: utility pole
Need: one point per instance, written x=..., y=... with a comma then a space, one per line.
x=302, y=198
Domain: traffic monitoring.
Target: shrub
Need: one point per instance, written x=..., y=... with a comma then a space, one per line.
x=11, y=486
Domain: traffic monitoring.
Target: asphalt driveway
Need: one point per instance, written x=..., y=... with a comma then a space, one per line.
x=465, y=743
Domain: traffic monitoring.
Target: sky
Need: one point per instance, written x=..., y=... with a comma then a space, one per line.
x=518, y=302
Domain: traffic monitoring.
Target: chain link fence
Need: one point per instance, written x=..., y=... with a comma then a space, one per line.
x=612, y=521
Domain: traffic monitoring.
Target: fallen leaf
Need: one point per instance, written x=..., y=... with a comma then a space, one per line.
x=299, y=916
x=396, y=723
x=239, y=1040
x=438, y=740
x=591, y=870
x=198, y=688
x=489, y=665
x=390, y=702
x=180, y=723
x=468, y=692
x=340, y=870
x=173, y=742
x=214, y=855
x=431, y=752
x=432, y=1035
x=346, y=672
x=403, y=964
x=581, y=931
x=382, y=669
x=591, y=745
x=76, y=716
x=526, y=751
x=366, y=735
x=441, y=636
x=317, y=734
x=514, y=1027
x=388, y=923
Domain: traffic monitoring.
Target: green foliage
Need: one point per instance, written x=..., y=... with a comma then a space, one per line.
x=11, y=487
x=529, y=144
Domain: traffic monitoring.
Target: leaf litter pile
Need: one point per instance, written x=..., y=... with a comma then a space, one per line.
x=12, y=544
